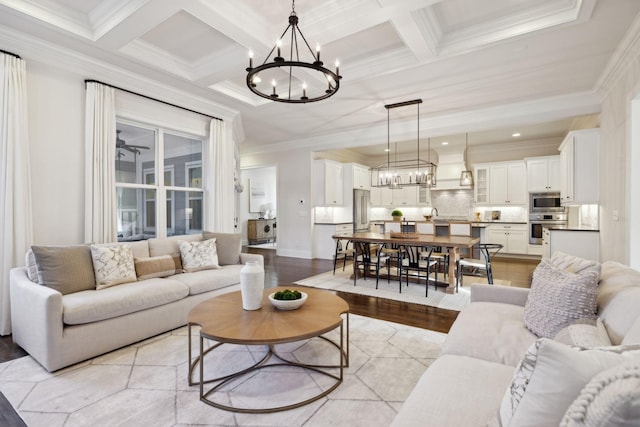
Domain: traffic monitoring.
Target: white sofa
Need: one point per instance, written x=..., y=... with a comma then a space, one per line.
x=59, y=330
x=466, y=384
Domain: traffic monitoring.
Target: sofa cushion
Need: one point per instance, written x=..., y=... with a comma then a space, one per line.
x=584, y=334
x=558, y=298
x=93, y=306
x=198, y=256
x=66, y=269
x=209, y=280
x=170, y=245
x=572, y=263
x=159, y=266
x=140, y=249
x=490, y=331
x=229, y=246
x=610, y=399
x=112, y=265
x=618, y=301
x=549, y=378
x=455, y=391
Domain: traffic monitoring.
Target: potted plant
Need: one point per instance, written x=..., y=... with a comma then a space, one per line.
x=396, y=215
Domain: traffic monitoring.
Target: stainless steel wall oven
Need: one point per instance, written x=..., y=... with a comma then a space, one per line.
x=538, y=221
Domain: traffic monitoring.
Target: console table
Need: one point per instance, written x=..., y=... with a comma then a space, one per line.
x=261, y=231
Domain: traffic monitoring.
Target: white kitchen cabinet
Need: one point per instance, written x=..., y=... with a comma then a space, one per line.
x=381, y=196
x=581, y=243
x=507, y=183
x=405, y=196
x=481, y=188
x=329, y=179
x=579, y=154
x=361, y=178
x=513, y=237
x=543, y=173
x=424, y=196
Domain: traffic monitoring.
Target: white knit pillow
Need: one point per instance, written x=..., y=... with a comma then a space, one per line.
x=198, y=256
x=558, y=298
x=610, y=399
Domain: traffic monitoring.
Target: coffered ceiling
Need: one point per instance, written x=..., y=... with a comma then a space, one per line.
x=477, y=65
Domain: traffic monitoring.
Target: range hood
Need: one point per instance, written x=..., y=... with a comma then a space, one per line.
x=450, y=166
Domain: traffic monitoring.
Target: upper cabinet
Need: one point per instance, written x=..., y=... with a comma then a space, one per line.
x=579, y=167
x=329, y=180
x=502, y=183
x=361, y=177
x=543, y=174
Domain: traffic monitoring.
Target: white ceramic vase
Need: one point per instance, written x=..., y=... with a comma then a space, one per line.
x=252, y=285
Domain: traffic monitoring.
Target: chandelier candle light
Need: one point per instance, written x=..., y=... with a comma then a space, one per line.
x=294, y=69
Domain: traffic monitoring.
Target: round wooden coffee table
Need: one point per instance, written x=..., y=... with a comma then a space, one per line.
x=223, y=320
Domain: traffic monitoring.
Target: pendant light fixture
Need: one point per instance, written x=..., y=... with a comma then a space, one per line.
x=466, y=176
x=399, y=173
x=296, y=90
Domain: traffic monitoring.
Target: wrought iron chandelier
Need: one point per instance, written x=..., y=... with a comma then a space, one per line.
x=294, y=69
x=398, y=173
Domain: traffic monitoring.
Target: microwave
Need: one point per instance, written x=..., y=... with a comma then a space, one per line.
x=545, y=202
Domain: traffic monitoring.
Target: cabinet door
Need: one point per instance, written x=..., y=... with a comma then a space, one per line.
x=334, y=192
x=375, y=196
x=424, y=196
x=554, y=179
x=566, y=170
x=497, y=236
x=498, y=189
x=405, y=196
x=516, y=242
x=516, y=184
x=537, y=175
x=361, y=178
x=482, y=185
x=386, y=197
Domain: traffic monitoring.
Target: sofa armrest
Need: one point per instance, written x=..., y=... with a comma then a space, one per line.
x=244, y=257
x=36, y=316
x=497, y=293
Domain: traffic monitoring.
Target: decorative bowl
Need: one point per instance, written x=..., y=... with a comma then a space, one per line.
x=284, y=304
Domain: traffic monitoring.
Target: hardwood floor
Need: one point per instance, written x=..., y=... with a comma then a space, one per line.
x=285, y=270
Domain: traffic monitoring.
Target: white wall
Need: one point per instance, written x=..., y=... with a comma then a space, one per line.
x=56, y=134
x=293, y=186
x=618, y=184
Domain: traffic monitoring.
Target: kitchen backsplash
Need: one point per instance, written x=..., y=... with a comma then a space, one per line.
x=454, y=203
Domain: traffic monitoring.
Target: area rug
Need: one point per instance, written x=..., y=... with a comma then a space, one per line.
x=414, y=293
x=145, y=384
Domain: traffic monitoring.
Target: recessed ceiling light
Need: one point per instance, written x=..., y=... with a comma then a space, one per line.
x=515, y=135
x=445, y=143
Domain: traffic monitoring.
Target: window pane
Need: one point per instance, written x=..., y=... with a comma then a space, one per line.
x=186, y=210
x=136, y=215
x=135, y=151
x=183, y=155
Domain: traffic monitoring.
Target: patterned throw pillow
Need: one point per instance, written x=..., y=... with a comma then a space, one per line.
x=198, y=256
x=113, y=265
x=610, y=399
x=32, y=267
x=558, y=298
x=550, y=377
x=158, y=266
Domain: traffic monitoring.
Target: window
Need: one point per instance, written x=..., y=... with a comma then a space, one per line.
x=148, y=206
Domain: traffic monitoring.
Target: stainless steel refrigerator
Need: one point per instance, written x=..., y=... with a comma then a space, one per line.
x=361, y=206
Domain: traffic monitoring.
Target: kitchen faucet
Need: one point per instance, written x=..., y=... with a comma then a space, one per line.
x=434, y=209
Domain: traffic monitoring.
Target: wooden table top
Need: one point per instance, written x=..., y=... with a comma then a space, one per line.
x=223, y=319
x=419, y=240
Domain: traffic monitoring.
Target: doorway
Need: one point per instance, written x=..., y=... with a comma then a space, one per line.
x=259, y=206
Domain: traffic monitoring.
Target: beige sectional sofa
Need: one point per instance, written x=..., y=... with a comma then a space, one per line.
x=60, y=328
x=474, y=380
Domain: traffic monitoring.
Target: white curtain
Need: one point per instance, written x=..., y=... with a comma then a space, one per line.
x=100, y=153
x=16, y=227
x=219, y=209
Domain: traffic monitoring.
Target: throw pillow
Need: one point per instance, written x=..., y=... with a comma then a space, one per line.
x=32, y=267
x=66, y=269
x=584, y=334
x=228, y=245
x=198, y=256
x=549, y=378
x=159, y=266
x=572, y=263
x=558, y=298
x=610, y=399
x=113, y=265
